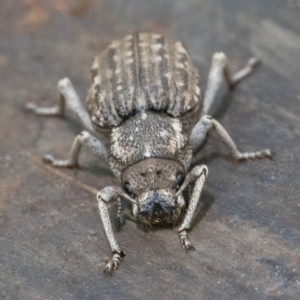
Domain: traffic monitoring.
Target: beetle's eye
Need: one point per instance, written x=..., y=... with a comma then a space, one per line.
x=179, y=179
x=128, y=189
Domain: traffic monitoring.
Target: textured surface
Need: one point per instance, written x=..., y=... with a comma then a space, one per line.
x=139, y=72
x=246, y=232
x=149, y=135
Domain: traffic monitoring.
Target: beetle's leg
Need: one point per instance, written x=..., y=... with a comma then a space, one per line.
x=198, y=174
x=119, y=219
x=86, y=139
x=233, y=79
x=206, y=123
x=103, y=197
x=218, y=72
x=69, y=97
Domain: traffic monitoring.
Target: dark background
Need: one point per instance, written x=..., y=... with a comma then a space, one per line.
x=246, y=232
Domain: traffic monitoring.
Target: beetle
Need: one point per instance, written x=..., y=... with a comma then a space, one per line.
x=147, y=119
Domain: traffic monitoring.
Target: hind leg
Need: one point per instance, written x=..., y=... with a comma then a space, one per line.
x=218, y=73
x=68, y=97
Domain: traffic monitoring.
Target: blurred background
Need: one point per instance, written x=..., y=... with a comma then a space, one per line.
x=246, y=232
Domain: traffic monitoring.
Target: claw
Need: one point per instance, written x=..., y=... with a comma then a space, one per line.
x=48, y=158
x=253, y=62
x=187, y=244
x=184, y=241
x=108, y=268
x=114, y=262
x=30, y=106
x=267, y=153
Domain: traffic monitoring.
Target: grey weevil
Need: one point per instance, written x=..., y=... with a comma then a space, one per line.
x=147, y=119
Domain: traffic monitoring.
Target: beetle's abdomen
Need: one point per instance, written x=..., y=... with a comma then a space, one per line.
x=139, y=73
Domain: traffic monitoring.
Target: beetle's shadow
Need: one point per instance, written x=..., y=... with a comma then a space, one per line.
x=73, y=124
x=100, y=170
x=206, y=159
x=206, y=201
x=222, y=103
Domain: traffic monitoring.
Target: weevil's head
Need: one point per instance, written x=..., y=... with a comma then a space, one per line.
x=153, y=183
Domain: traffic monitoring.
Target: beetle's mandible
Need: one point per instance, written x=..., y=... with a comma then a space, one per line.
x=147, y=119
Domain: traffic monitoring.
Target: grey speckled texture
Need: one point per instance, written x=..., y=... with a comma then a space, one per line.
x=246, y=232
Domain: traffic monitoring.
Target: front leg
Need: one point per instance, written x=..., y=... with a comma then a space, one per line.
x=198, y=174
x=103, y=197
x=86, y=139
x=119, y=218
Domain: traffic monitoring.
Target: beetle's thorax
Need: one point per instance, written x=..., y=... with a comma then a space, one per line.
x=148, y=135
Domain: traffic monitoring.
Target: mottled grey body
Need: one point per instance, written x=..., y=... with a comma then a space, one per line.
x=145, y=94
x=145, y=98
x=149, y=135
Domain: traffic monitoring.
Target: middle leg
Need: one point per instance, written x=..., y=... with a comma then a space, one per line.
x=86, y=139
x=207, y=123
